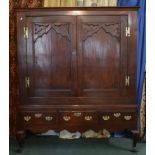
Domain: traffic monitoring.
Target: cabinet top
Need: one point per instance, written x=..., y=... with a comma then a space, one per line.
x=78, y=9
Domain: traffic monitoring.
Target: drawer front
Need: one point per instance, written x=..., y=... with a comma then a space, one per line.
x=118, y=120
x=112, y=121
x=78, y=117
x=38, y=118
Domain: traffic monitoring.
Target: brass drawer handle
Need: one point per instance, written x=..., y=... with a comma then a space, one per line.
x=27, y=118
x=127, y=118
x=48, y=118
x=117, y=115
x=105, y=118
x=88, y=118
x=66, y=118
x=77, y=114
x=37, y=115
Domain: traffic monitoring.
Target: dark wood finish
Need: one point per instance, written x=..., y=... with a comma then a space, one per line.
x=102, y=48
x=50, y=56
x=77, y=60
x=98, y=9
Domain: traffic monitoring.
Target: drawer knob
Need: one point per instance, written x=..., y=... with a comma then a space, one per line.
x=127, y=118
x=27, y=118
x=117, y=115
x=77, y=114
x=105, y=118
x=37, y=115
x=66, y=118
x=88, y=118
x=48, y=118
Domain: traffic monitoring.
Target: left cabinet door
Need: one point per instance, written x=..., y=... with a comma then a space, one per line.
x=51, y=56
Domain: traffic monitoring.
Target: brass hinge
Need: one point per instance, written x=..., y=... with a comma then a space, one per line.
x=127, y=81
x=26, y=32
x=128, y=31
x=27, y=82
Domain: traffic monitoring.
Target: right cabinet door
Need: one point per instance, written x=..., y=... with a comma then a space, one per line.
x=102, y=55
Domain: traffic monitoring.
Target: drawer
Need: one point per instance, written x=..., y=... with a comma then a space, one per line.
x=39, y=117
x=118, y=120
x=78, y=117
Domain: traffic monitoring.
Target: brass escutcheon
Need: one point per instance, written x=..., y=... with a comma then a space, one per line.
x=66, y=118
x=88, y=118
x=48, y=118
x=77, y=114
x=37, y=115
x=27, y=118
x=127, y=117
x=105, y=118
x=117, y=114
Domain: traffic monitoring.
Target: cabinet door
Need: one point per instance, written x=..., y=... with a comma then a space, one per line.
x=102, y=55
x=51, y=56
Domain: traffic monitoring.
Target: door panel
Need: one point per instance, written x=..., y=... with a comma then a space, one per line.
x=102, y=50
x=50, y=58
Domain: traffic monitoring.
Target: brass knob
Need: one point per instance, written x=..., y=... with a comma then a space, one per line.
x=77, y=114
x=48, y=118
x=38, y=115
x=117, y=115
x=105, y=118
x=27, y=118
x=88, y=118
x=127, y=118
x=66, y=118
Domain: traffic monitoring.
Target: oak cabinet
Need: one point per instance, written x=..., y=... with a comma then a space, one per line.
x=77, y=69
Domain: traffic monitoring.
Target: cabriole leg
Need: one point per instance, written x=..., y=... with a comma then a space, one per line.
x=20, y=136
x=136, y=138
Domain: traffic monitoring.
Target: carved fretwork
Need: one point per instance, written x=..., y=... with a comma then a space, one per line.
x=90, y=29
x=60, y=28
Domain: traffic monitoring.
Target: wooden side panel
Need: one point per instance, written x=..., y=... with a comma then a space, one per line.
x=132, y=52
